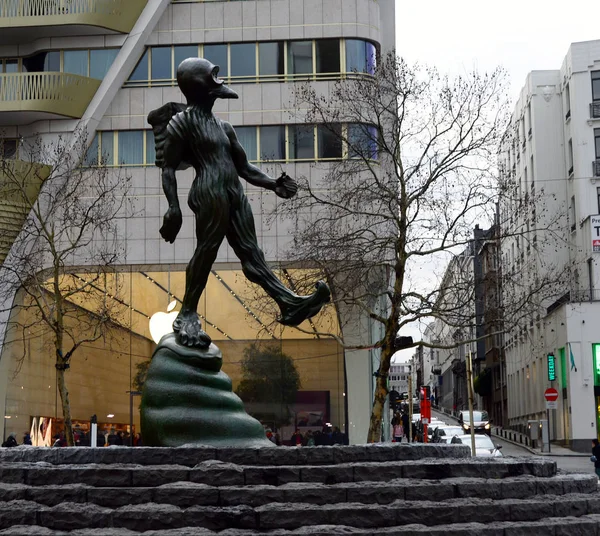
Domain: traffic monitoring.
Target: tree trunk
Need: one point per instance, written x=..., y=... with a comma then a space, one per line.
x=381, y=393
x=66, y=406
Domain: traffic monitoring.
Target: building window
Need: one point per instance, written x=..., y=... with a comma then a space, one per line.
x=101, y=61
x=122, y=147
x=9, y=148
x=271, y=59
x=596, y=86
x=142, y=69
x=597, y=142
x=301, y=142
x=572, y=213
x=249, y=141
x=570, y=157
x=300, y=57
x=93, y=63
x=598, y=199
x=329, y=141
x=361, y=56
x=76, y=62
x=362, y=141
x=529, y=120
x=243, y=60
x=272, y=143
x=328, y=55
x=567, y=102
x=161, y=66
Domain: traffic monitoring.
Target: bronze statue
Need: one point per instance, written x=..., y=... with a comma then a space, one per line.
x=191, y=135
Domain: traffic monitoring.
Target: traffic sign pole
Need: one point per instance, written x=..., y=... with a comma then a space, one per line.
x=551, y=396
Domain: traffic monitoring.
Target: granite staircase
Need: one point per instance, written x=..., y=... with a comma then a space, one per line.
x=359, y=490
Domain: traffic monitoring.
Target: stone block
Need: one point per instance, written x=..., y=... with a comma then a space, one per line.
x=574, y=483
x=370, y=472
x=529, y=510
x=549, y=486
x=581, y=526
x=429, y=470
x=314, y=494
x=429, y=491
x=316, y=455
x=463, y=529
x=53, y=495
x=74, y=455
x=101, y=476
x=18, y=513
x=144, y=517
x=218, y=519
x=594, y=505
x=327, y=474
x=571, y=506
x=215, y=473
x=519, y=488
x=186, y=494
x=365, y=516
x=153, y=476
x=117, y=497
x=12, y=492
x=68, y=516
x=375, y=494
x=254, y=496
x=238, y=456
x=282, y=456
x=271, y=476
x=12, y=474
x=291, y=516
x=350, y=454
x=536, y=528
x=483, y=510
x=112, y=455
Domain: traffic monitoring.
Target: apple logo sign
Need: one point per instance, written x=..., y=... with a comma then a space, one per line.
x=162, y=323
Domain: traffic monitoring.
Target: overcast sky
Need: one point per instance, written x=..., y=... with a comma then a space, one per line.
x=521, y=36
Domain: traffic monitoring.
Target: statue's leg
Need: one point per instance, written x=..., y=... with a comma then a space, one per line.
x=241, y=235
x=211, y=224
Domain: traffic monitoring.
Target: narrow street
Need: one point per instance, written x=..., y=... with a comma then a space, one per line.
x=571, y=464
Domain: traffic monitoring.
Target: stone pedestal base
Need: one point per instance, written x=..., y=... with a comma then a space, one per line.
x=187, y=400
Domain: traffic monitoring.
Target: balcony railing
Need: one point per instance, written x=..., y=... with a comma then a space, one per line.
x=596, y=168
x=595, y=110
x=62, y=94
x=117, y=15
x=17, y=180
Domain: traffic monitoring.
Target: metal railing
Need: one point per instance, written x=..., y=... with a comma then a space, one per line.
x=596, y=168
x=119, y=15
x=595, y=110
x=59, y=93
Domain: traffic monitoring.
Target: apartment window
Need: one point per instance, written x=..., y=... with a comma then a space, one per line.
x=596, y=86
x=217, y=54
x=160, y=64
x=300, y=57
x=131, y=147
x=248, y=140
x=529, y=120
x=271, y=58
x=360, y=56
x=124, y=148
x=183, y=52
x=150, y=157
x=142, y=70
x=567, y=102
x=52, y=61
x=570, y=157
x=302, y=142
x=272, y=143
x=76, y=62
x=328, y=55
x=8, y=148
x=362, y=141
x=101, y=61
x=329, y=141
x=243, y=59
x=597, y=142
x=572, y=213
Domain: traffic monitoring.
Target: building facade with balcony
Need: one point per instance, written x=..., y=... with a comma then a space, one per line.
x=550, y=158
x=99, y=67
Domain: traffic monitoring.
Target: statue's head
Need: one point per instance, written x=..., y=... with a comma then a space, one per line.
x=199, y=82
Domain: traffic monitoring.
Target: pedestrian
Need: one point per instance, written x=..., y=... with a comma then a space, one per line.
x=11, y=441
x=26, y=438
x=405, y=423
x=596, y=456
x=296, y=439
x=397, y=431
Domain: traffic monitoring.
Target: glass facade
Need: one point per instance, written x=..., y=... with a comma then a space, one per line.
x=261, y=61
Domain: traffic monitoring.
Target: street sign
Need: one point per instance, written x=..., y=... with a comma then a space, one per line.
x=595, y=229
x=551, y=368
x=551, y=395
x=551, y=405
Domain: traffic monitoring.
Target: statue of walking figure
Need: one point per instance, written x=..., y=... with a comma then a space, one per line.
x=191, y=135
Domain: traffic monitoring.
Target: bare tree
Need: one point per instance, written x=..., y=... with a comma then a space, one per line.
x=67, y=207
x=418, y=171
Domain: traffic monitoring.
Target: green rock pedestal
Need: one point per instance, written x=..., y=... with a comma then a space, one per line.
x=187, y=400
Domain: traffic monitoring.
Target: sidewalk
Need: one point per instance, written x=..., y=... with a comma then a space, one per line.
x=521, y=440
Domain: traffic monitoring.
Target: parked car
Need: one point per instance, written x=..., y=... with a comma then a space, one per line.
x=484, y=447
x=448, y=431
x=481, y=422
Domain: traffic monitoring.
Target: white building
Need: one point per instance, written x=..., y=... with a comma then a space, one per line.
x=398, y=377
x=105, y=72
x=551, y=154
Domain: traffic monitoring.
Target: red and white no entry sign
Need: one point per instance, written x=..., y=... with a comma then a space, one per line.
x=551, y=394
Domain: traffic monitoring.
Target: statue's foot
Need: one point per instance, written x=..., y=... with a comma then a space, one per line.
x=303, y=307
x=188, y=331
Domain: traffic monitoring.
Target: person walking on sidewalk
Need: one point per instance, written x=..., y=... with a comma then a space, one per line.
x=596, y=456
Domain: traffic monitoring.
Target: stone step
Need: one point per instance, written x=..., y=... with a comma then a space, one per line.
x=218, y=473
x=292, y=516
x=251, y=456
x=187, y=494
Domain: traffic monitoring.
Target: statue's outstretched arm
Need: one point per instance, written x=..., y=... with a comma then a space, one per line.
x=172, y=220
x=284, y=186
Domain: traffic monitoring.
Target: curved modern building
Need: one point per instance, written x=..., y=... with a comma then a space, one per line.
x=102, y=66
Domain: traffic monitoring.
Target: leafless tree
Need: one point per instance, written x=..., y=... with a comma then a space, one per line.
x=66, y=244
x=418, y=172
